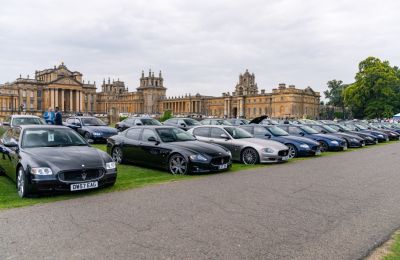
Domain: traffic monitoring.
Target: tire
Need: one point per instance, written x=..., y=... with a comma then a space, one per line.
x=249, y=156
x=87, y=136
x=22, y=185
x=292, y=151
x=324, y=146
x=178, y=165
x=117, y=155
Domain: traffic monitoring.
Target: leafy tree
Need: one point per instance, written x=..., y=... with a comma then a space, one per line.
x=167, y=115
x=376, y=90
x=335, y=94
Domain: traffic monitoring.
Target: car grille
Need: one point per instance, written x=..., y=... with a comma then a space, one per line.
x=80, y=175
x=283, y=152
x=220, y=160
x=315, y=148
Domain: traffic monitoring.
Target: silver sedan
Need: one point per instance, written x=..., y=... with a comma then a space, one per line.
x=243, y=146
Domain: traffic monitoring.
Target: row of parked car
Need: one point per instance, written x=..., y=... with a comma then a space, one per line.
x=41, y=157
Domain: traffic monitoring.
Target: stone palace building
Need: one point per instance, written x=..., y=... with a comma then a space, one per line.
x=66, y=89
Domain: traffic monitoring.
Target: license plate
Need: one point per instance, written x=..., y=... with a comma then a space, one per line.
x=318, y=152
x=284, y=158
x=363, y=144
x=345, y=148
x=84, y=185
x=223, y=166
x=399, y=137
x=376, y=141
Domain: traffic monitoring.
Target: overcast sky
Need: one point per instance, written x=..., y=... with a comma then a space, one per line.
x=201, y=46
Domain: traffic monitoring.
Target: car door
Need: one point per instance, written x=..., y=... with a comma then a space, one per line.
x=5, y=159
x=216, y=136
x=14, y=153
x=130, y=147
x=150, y=152
x=261, y=132
x=79, y=124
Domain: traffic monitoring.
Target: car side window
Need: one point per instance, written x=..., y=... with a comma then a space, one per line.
x=70, y=121
x=202, y=131
x=216, y=132
x=138, y=122
x=148, y=133
x=16, y=133
x=173, y=121
x=248, y=129
x=180, y=122
x=133, y=133
x=7, y=135
x=294, y=131
x=260, y=131
x=205, y=122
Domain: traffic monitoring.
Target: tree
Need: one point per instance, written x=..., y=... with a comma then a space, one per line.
x=335, y=94
x=376, y=90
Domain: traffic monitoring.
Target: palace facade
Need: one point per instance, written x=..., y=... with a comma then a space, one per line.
x=63, y=88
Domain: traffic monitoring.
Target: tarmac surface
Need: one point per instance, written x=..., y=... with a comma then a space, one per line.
x=333, y=207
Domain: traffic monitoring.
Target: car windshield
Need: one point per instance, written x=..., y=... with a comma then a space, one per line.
x=308, y=130
x=222, y=122
x=27, y=121
x=92, y=121
x=168, y=135
x=351, y=127
x=361, y=127
x=329, y=129
x=277, y=131
x=150, y=121
x=238, y=133
x=191, y=122
x=44, y=137
x=335, y=127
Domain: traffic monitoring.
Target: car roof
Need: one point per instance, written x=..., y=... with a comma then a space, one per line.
x=152, y=126
x=24, y=116
x=44, y=126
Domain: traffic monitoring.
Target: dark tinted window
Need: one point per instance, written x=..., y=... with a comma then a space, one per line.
x=150, y=121
x=133, y=133
x=147, y=133
x=217, y=132
x=202, y=131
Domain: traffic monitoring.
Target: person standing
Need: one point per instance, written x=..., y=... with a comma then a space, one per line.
x=49, y=116
x=58, y=117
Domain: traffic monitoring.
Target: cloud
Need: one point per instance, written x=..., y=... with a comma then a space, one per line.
x=201, y=46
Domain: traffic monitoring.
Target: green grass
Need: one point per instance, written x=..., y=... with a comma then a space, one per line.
x=394, y=253
x=129, y=177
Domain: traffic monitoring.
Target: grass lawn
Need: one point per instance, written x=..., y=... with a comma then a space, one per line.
x=394, y=253
x=129, y=177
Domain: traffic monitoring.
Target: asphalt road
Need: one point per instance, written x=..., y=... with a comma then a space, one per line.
x=337, y=207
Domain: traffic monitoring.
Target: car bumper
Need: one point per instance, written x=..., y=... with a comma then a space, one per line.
x=357, y=144
x=48, y=185
x=308, y=152
x=273, y=158
x=198, y=167
x=341, y=147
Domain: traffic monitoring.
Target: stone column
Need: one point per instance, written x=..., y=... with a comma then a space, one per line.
x=71, y=100
x=51, y=92
x=241, y=113
x=62, y=101
x=78, y=109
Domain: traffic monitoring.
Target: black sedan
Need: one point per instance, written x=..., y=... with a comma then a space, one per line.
x=135, y=121
x=369, y=139
x=91, y=128
x=168, y=148
x=53, y=158
x=352, y=141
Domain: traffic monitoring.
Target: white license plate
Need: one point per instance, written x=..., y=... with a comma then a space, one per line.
x=363, y=144
x=318, y=152
x=387, y=139
x=84, y=185
x=285, y=158
x=399, y=137
x=223, y=166
x=376, y=141
x=345, y=148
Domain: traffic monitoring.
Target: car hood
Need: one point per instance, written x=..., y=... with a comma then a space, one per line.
x=373, y=132
x=260, y=143
x=66, y=158
x=258, y=120
x=102, y=129
x=298, y=139
x=199, y=147
x=344, y=135
x=329, y=136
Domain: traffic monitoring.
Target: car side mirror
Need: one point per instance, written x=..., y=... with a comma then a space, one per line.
x=323, y=131
x=301, y=133
x=225, y=136
x=267, y=135
x=11, y=143
x=139, y=124
x=183, y=125
x=6, y=123
x=153, y=140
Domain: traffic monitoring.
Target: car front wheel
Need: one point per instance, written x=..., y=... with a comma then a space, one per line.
x=87, y=136
x=324, y=146
x=250, y=156
x=292, y=151
x=178, y=165
x=117, y=155
x=21, y=183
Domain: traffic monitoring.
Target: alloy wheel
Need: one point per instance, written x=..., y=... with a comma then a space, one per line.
x=249, y=156
x=21, y=183
x=324, y=146
x=292, y=151
x=87, y=136
x=178, y=165
x=117, y=155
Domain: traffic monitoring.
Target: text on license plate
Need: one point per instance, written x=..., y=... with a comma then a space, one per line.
x=318, y=152
x=344, y=148
x=223, y=166
x=84, y=185
x=284, y=158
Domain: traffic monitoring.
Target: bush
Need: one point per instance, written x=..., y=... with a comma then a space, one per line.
x=167, y=115
x=121, y=118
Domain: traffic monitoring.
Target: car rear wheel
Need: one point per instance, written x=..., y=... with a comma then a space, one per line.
x=117, y=155
x=178, y=165
x=21, y=183
x=292, y=151
x=250, y=156
x=324, y=146
x=87, y=136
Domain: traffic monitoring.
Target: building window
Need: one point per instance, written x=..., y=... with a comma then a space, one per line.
x=39, y=93
x=39, y=105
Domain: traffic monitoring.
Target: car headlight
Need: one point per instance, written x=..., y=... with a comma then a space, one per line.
x=41, y=171
x=380, y=136
x=353, y=140
x=198, y=157
x=96, y=133
x=369, y=138
x=229, y=153
x=110, y=165
x=335, y=142
x=268, y=150
x=305, y=146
